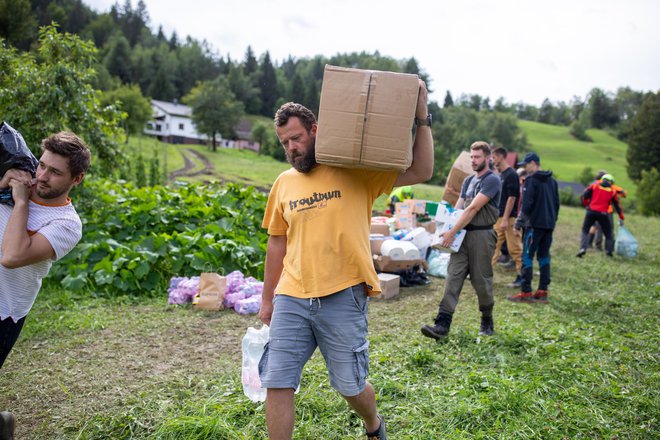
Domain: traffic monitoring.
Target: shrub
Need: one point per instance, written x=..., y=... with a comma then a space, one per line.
x=141, y=237
x=648, y=192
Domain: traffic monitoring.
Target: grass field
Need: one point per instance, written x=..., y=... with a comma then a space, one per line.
x=585, y=366
x=567, y=157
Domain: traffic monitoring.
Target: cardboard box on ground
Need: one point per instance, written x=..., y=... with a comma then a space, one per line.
x=366, y=118
x=461, y=169
x=389, y=285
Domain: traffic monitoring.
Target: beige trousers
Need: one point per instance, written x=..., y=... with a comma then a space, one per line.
x=513, y=243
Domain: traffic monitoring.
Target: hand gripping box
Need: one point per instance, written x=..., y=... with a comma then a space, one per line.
x=366, y=118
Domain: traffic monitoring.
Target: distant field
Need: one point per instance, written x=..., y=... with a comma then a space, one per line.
x=567, y=157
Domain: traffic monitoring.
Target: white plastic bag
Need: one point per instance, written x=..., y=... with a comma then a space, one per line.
x=253, y=347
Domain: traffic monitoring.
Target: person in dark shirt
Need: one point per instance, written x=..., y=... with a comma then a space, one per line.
x=508, y=210
x=538, y=215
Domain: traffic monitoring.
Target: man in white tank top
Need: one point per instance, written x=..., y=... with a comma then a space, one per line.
x=40, y=228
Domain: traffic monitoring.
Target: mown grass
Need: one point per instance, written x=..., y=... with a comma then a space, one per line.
x=567, y=157
x=584, y=366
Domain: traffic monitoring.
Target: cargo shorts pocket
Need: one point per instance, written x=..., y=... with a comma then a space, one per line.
x=361, y=363
x=263, y=361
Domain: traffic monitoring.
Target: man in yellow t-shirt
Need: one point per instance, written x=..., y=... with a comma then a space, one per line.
x=319, y=271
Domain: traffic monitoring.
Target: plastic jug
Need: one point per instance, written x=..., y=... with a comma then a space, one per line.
x=253, y=347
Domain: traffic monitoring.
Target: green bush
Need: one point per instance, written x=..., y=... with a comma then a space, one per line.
x=136, y=239
x=567, y=198
x=648, y=193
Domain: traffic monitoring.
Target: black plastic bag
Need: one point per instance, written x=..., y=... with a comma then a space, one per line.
x=14, y=153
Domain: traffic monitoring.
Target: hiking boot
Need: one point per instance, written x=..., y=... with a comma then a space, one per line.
x=525, y=297
x=517, y=283
x=379, y=434
x=581, y=253
x=540, y=296
x=7, y=425
x=441, y=327
x=487, y=327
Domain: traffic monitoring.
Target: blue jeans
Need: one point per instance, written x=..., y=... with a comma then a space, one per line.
x=536, y=242
x=336, y=323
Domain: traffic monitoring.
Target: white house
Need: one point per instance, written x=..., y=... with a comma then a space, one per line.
x=172, y=123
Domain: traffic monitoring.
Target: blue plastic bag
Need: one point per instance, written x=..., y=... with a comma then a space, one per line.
x=625, y=244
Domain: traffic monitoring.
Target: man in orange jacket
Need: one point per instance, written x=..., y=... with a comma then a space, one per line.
x=597, y=198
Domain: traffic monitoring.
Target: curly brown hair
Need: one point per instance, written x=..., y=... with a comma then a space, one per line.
x=69, y=145
x=294, y=110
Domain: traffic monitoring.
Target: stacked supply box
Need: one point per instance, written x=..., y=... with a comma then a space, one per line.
x=461, y=169
x=366, y=118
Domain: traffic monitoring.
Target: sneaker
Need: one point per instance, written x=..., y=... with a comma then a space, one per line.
x=517, y=283
x=503, y=259
x=7, y=425
x=581, y=253
x=380, y=434
x=540, y=296
x=525, y=297
x=508, y=265
x=487, y=327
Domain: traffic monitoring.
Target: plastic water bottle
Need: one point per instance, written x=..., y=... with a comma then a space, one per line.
x=253, y=347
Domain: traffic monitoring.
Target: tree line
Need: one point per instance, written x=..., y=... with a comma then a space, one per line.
x=126, y=64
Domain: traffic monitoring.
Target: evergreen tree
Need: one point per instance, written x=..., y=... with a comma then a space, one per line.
x=250, y=65
x=602, y=110
x=268, y=85
x=644, y=142
x=118, y=59
x=449, y=101
x=17, y=25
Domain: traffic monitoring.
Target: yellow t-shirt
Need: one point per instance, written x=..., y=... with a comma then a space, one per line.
x=326, y=216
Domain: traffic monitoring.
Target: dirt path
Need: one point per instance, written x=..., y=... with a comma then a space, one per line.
x=191, y=164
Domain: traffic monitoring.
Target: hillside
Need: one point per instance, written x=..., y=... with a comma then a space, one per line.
x=567, y=157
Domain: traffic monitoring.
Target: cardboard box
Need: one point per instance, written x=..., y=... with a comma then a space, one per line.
x=389, y=285
x=386, y=264
x=380, y=228
x=461, y=169
x=419, y=206
x=376, y=242
x=366, y=118
x=406, y=221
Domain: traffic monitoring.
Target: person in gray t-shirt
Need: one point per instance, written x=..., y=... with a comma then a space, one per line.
x=480, y=197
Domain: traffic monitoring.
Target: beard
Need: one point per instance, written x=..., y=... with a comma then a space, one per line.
x=48, y=192
x=303, y=163
x=479, y=167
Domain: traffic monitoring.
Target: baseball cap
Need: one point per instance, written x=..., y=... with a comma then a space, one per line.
x=529, y=157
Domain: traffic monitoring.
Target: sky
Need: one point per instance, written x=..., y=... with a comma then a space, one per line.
x=522, y=50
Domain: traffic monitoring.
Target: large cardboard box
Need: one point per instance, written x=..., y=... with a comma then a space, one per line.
x=380, y=228
x=386, y=264
x=389, y=285
x=461, y=169
x=366, y=118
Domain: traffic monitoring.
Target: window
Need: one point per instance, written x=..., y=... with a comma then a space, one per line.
x=158, y=127
x=181, y=126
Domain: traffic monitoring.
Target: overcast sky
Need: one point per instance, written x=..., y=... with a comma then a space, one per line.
x=523, y=50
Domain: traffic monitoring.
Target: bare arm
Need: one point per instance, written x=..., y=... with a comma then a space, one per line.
x=421, y=168
x=465, y=218
x=510, y=201
x=275, y=253
x=18, y=247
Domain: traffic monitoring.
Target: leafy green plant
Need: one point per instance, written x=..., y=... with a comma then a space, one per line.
x=136, y=239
